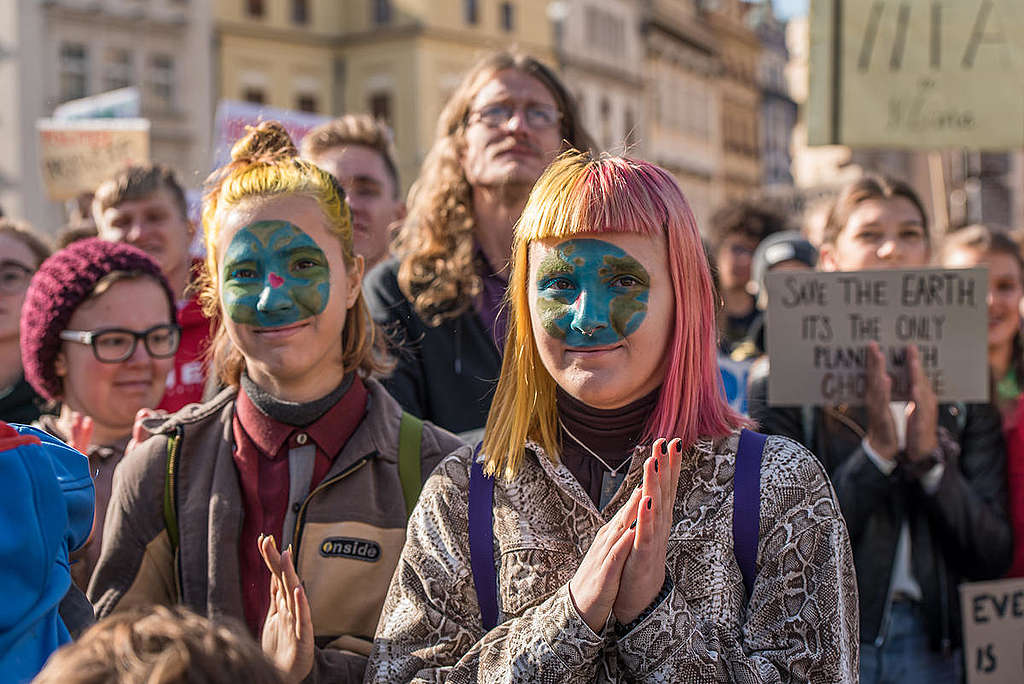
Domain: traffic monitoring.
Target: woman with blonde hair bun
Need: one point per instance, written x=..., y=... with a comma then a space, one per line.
x=302, y=451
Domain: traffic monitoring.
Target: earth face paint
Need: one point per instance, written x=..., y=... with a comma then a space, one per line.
x=274, y=274
x=591, y=293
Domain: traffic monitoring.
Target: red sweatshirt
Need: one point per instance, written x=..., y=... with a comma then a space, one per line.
x=1015, y=487
x=185, y=383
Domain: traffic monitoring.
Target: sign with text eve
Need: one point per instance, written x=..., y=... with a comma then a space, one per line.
x=993, y=615
x=819, y=326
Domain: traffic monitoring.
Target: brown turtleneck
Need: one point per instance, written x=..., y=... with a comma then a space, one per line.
x=611, y=433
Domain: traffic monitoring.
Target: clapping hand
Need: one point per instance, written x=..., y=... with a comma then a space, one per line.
x=644, y=572
x=288, y=630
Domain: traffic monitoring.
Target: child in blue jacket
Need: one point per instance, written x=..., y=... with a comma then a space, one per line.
x=46, y=511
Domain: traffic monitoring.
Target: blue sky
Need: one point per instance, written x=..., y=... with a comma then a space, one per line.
x=790, y=8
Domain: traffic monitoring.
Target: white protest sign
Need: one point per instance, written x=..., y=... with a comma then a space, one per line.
x=232, y=118
x=993, y=616
x=819, y=326
x=917, y=73
x=77, y=155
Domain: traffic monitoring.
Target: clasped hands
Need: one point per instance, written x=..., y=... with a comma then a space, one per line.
x=922, y=410
x=624, y=569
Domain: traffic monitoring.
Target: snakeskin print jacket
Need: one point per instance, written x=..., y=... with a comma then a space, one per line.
x=800, y=624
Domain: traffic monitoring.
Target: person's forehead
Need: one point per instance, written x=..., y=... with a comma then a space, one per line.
x=161, y=198
x=14, y=249
x=348, y=161
x=300, y=211
x=645, y=249
x=889, y=209
x=512, y=84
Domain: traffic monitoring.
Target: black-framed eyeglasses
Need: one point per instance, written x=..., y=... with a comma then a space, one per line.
x=536, y=116
x=114, y=345
x=14, y=277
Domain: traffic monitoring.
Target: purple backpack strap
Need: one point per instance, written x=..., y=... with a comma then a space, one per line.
x=746, y=505
x=481, y=542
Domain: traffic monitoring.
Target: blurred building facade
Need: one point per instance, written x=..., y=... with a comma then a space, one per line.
x=740, y=53
x=778, y=109
x=53, y=51
x=683, y=71
x=600, y=55
x=399, y=60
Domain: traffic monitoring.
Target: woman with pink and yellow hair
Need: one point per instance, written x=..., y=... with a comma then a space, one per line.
x=609, y=553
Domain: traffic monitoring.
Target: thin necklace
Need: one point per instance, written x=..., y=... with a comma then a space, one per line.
x=611, y=471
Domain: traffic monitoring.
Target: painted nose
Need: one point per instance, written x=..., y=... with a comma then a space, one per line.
x=587, y=317
x=274, y=297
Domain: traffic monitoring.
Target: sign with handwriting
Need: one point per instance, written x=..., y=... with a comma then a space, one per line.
x=993, y=618
x=819, y=326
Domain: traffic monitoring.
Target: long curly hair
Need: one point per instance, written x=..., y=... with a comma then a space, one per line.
x=435, y=244
x=581, y=193
x=265, y=163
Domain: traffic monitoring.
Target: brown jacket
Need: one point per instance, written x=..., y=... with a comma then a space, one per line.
x=359, y=501
x=102, y=462
x=800, y=624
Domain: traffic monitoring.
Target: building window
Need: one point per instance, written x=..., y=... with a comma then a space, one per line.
x=508, y=16
x=254, y=95
x=381, y=11
x=74, y=71
x=380, y=106
x=300, y=11
x=306, y=103
x=161, y=80
x=254, y=8
x=470, y=11
x=118, y=68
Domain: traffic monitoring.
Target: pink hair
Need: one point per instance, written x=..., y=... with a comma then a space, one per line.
x=577, y=194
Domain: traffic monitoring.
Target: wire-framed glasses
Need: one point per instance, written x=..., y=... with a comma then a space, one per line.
x=536, y=116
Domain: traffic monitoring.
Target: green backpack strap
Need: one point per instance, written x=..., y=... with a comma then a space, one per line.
x=170, y=504
x=410, y=437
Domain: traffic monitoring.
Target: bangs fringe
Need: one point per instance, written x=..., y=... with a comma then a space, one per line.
x=581, y=193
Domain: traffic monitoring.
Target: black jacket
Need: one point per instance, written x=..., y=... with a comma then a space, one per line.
x=959, y=533
x=445, y=374
x=21, y=404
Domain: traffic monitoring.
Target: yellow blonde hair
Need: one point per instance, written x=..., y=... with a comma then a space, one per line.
x=265, y=164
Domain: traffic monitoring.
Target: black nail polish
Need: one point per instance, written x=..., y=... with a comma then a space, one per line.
x=655, y=466
x=664, y=448
x=648, y=504
x=633, y=525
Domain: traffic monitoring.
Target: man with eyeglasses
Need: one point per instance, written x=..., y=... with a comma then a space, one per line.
x=440, y=298
x=21, y=253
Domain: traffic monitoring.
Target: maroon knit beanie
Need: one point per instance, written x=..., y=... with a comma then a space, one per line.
x=61, y=284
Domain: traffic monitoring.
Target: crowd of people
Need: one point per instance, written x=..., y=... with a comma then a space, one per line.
x=483, y=437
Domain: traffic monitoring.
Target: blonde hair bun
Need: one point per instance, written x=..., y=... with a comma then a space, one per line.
x=267, y=142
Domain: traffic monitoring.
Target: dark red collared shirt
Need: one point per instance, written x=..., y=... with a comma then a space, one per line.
x=261, y=456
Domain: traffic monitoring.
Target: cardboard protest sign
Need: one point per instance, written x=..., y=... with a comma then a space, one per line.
x=993, y=615
x=819, y=326
x=77, y=155
x=917, y=73
x=232, y=118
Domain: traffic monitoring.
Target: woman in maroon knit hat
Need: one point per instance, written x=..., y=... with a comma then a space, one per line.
x=98, y=337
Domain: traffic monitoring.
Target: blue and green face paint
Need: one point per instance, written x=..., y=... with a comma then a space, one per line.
x=274, y=274
x=591, y=293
